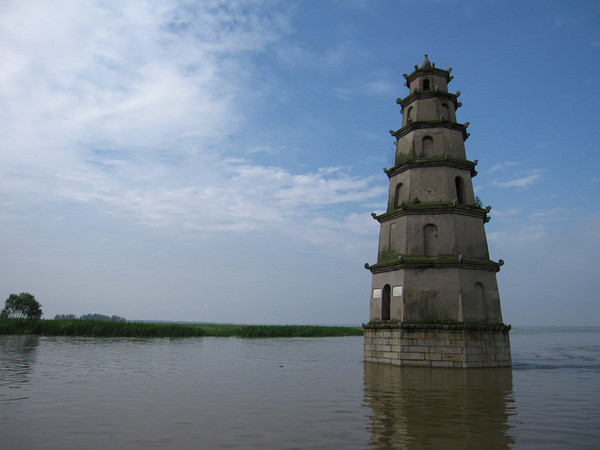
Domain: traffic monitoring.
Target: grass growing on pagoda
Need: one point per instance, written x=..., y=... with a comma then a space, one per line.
x=95, y=328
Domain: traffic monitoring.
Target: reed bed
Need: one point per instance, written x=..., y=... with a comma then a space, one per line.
x=98, y=328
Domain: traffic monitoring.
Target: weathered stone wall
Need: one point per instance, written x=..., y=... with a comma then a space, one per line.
x=445, y=141
x=442, y=294
x=434, y=345
x=430, y=185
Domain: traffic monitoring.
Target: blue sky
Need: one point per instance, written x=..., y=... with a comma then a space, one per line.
x=219, y=160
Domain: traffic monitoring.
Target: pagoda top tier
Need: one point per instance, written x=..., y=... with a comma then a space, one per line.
x=427, y=76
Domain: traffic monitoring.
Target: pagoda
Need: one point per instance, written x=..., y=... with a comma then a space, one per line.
x=434, y=296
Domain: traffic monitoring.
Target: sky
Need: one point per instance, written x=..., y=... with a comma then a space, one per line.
x=218, y=161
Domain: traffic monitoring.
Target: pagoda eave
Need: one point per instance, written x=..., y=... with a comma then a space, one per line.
x=431, y=208
x=434, y=161
x=412, y=126
x=429, y=71
x=437, y=262
x=420, y=95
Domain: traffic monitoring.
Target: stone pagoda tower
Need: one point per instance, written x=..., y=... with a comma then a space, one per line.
x=434, y=298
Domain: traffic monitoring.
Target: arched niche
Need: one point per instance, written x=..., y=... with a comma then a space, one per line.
x=409, y=114
x=460, y=190
x=427, y=142
x=445, y=112
x=385, y=303
x=480, y=302
x=392, y=237
x=430, y=240
x=397, y=195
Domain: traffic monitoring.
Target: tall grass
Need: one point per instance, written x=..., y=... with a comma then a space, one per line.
x=139, y=329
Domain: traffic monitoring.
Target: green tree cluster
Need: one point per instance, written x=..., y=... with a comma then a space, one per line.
x=65, y=317
x=95, y=316
x=21, y=306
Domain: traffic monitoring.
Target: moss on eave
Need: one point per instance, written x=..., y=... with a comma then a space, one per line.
x=395, y=262
x=433, y=208
x=431, y=124
x=420, y=95
x=405, y=162
x=420, y=71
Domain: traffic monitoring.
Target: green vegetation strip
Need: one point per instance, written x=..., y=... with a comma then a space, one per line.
x=97, y=328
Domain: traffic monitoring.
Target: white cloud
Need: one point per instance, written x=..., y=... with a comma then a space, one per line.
x=551, y=214
x=506, y=214
x=521, y=182
x=129, y=108
x=333, y=57
x=502, y=166
x=529, y=235
x=139, y=77
x=527, y=231
x=381, y=87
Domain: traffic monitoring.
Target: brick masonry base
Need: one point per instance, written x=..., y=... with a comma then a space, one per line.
x=436, y=345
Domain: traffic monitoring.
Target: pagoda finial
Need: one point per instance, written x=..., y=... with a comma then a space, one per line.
x=426, y=63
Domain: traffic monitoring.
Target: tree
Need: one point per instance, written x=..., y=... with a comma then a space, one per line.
x=103, y=318
x=22, y=306
x=65, y=317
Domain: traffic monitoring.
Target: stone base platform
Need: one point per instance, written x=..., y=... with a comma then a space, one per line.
x=437, y=345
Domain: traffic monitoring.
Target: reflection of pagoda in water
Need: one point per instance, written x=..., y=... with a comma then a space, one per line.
x=414, y=407
x=434, y=298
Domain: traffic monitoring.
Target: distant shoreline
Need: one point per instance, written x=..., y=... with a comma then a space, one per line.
x=97, y=328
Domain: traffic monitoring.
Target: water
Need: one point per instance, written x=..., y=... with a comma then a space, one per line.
x=292, y=393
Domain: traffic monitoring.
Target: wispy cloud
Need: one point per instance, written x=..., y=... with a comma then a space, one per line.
x=521, y=182
x=551, y=214
x=504, y=214
x=141, y=78
x=330, y=58
x=381, y=87
x=531, y=235
x=502, y=166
